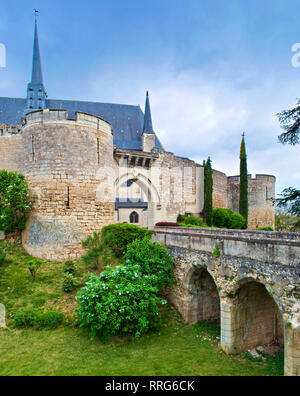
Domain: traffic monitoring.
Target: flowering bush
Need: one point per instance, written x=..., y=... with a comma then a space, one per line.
x=121, y=301
x=153, y=259
x=14, y=201
x=166, y=224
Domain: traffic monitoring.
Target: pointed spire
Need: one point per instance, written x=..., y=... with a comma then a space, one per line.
x=148, y=127
x=36, y=93
x=37, y=75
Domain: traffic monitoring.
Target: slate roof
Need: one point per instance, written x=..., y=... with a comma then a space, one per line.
x=127, y=121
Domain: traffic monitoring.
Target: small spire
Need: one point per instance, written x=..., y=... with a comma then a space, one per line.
x=148, y=127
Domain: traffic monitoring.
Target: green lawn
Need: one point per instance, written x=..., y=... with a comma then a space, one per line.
x=176, y=349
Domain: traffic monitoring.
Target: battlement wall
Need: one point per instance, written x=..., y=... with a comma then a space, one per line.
x=61, y=116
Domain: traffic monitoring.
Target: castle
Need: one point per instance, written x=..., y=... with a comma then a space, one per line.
x=92, y=164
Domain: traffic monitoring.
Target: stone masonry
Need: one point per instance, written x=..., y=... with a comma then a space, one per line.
x=61, y=159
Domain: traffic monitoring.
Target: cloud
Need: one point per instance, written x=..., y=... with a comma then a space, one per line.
x=197, y=116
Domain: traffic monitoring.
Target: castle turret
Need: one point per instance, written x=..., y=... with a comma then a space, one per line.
x=65, y=167
x=36, y=93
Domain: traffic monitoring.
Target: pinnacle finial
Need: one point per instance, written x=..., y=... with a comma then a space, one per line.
x=148, y=127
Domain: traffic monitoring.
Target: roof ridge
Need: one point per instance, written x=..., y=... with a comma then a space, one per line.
x=88, y=101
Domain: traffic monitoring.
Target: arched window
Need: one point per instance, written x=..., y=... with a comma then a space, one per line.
x=134, y=217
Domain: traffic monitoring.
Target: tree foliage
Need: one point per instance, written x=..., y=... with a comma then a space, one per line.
x=243, y=202
x=208, y=191
x=290, y=123
x=290, y=201
x=14, y=201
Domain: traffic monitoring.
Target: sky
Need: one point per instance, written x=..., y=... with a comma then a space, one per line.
x=214, y=69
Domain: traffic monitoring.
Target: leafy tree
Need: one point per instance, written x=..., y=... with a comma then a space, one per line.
x=243, y=203
x=290, y=123
x=14, y=201
x=290, y=201
x=208, y=191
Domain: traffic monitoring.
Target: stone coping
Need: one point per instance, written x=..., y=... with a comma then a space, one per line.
x=285, y=238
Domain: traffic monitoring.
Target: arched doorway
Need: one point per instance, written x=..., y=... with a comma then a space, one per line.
x=257, y=319
x=205, y=303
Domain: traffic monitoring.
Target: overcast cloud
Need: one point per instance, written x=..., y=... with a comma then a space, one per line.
x=213, y=69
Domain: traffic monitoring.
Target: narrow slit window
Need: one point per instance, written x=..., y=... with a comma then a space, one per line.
x=98, y=151
x=68, y=197
x=32, y=147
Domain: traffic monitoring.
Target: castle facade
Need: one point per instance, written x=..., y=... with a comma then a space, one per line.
x=92, y=164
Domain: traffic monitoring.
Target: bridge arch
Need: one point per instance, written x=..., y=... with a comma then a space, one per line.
x=205, y=300
x=255, y=318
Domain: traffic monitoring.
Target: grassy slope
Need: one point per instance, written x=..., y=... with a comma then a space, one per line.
x=176, y=349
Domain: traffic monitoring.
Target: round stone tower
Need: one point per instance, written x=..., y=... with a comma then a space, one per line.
x=66, y=164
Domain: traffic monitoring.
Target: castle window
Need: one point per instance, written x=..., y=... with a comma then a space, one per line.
x=134, y=217
x=267, y=193
x=1, y=132
x=132, y=161
x=147, y=163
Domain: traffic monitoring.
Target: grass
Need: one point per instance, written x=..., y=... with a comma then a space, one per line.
x=176, y=349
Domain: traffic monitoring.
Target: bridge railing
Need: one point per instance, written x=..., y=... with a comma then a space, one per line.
x=272, y=247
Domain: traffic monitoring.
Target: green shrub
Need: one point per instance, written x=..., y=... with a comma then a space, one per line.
x=14, y=201
x=191, y=220
x=226, y=218
x=118, y=236
x=2, y=257
x=69, y=283
x=33, y=266
x=31, y=317
x=25, y=318
x=216, y=253
x=69, y=267
x=94, y=245
x=120, y=301
x=180, y=218
x=153, y=259
x=238, y=221
x=265, y=229
x=48, y=320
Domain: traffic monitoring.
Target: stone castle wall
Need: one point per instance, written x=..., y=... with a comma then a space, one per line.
x=261, y=190
x=61, y=162
x=11, y=153
x=220, y=190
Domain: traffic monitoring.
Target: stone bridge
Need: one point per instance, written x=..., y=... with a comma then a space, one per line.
x=253, y=287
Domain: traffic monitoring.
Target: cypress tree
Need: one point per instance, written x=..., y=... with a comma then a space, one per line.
x=208, y=192
x=243, y=204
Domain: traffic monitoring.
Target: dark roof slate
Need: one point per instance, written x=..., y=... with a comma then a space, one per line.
x=127, y=121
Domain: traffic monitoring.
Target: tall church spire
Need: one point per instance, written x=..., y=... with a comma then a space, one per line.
x=36, y=93
x=148, y=127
